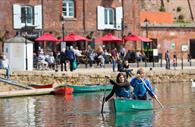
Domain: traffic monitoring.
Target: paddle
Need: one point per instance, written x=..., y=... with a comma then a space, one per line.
x=151, y=93
x=103, y=100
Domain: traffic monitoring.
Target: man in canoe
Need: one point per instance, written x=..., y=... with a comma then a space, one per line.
x=142, y=87
x=121, y=87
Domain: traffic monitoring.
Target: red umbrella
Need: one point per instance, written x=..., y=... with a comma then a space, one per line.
x=46, y=37
x=109, y=38
x=136, y=38
x=74, y=37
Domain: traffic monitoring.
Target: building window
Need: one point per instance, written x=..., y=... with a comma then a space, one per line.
x=68, y=8
x=109, y=18
x=27, y=15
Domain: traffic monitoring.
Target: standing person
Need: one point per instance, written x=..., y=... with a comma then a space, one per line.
x=167, y=58
x=89, y=56
x=114, y=55
x=4, y=64
x=140, y=90
x=175, y=58
x=72, y=58
x=122, y=53
x=91, y=37
x=121, y=87
x=62, y=58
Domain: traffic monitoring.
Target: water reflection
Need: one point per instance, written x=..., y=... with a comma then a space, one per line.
x=144, y=118
x=84, y=110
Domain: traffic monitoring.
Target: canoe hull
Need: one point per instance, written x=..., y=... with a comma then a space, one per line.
x=89, y=88
x=41, y=86
x=127, y=105
x=63, y=90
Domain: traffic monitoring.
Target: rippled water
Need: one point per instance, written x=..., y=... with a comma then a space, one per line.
x=83, y=110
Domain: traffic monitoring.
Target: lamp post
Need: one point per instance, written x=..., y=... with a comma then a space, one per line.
x=146, y=23
x=24, y=18
x=63, y=44
x=62, y=22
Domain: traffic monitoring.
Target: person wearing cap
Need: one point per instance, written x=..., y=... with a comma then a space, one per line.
x=142, y=87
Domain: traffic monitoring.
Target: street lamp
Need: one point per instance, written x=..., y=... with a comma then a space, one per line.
x=24, y=19
x=62, y=23
x=146, y=21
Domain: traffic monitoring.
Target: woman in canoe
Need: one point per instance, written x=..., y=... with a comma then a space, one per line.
x=121, y=87
x=142, y=87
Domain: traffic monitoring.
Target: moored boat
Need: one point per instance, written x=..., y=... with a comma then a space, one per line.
x=89, y=88
x=36, y=86
x=63, y=90
x=129, y=105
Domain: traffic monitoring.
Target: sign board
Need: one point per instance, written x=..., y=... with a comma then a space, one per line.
x=172, y=45
x=63, y=45
x=184, y=48
x=155, y=52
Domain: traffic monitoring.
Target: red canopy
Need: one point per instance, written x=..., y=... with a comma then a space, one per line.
x=109, y=38
x=136, y=38
x=73, y=37
x=46, y=37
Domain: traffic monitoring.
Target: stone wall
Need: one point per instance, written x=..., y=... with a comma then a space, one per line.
x=78, y=78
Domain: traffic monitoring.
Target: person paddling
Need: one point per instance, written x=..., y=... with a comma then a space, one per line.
x=121, y=87
x=142, y=87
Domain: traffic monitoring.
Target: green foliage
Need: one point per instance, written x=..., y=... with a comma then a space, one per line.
x=181, y=18
x=162, y=9
x=1, y=39
x=179, y=9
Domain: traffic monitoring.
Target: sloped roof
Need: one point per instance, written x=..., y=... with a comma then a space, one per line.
x=157, y=17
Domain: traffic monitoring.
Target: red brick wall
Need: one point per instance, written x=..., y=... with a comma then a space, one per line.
x=166, y=36
x=83, y=23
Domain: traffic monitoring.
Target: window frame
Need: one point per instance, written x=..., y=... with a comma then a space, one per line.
x=27, y=17
x=108, y=20
x=66, y=6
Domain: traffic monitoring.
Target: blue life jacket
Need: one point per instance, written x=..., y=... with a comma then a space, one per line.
x=139, y=89
x=123, y=92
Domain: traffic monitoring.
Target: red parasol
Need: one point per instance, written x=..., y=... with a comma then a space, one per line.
x=136, y=38
x=109, y=38
x=46, y=37
x=74, y=37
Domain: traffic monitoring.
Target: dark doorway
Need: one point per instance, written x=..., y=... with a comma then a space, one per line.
x=192, y=47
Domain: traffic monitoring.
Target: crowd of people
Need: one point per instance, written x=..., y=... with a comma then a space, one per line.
x=72, y=56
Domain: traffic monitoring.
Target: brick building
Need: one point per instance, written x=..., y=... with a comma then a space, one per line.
x=172, y=29
x=79, y=16
x=100, y=17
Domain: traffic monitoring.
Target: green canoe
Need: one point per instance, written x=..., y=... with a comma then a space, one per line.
x=89, y=88
x=127, y=105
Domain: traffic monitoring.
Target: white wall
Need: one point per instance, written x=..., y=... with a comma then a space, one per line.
x=16, y=54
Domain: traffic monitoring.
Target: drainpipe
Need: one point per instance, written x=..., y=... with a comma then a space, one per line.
x=122, y=20
x=84, y=26
x=190, y=10
x=42, y=16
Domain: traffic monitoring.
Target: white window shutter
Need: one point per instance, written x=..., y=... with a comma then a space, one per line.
x=100, y=18
x=38, y=16
x=17, y=23
x=119, y=16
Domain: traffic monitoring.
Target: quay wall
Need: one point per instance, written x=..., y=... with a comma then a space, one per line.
x=97, y=76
